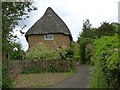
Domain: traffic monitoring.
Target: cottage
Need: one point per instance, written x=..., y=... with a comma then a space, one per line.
x=49, y=29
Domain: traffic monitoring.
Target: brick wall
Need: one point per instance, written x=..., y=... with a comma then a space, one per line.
x=59, y=40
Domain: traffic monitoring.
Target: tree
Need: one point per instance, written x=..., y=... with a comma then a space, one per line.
x=106, y=29
x=83, y=43
x=12, y=12
x=16, y=51
x=86, y=29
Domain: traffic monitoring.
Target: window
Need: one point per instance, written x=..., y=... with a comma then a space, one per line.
x=48, y=37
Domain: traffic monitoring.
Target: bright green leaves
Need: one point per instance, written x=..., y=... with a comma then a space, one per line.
x=43, y=52
x=106, y=62
x=106, y=48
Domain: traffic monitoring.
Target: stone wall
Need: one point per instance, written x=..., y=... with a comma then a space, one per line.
x=59, y=40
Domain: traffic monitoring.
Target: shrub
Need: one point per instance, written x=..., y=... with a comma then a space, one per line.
x=33, y=70
x=47, y=66
x=107, y=63
x=7, y=80
x=83, y=43
x=88, y=53
x=42, y=52
x=75, y=49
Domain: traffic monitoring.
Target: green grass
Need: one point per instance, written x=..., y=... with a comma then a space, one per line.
x=69, y=74
x=72, y=71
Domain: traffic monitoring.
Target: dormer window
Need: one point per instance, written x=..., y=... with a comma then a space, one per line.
x=48, y=37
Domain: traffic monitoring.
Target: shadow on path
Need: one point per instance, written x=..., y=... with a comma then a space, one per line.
x=80, y=79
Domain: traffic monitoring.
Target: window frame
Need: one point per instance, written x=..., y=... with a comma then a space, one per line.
x=47, y=37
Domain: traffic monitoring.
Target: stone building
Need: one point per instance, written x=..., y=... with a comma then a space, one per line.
x=49, y=29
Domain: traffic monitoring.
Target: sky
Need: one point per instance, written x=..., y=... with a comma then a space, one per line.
x=73, y=13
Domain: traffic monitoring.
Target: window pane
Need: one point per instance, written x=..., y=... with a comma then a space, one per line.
x=48, y=37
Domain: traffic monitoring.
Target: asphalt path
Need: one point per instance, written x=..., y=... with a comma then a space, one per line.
x=80, y=79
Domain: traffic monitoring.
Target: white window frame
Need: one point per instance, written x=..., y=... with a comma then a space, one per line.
x=48, y=37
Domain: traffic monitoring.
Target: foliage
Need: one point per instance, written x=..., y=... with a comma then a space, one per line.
x=107, y=63
x=12, y=12
x=33, y=70
x=7, y=79
x=75, y=49
x=65, y=53
x=47, y=66
x=106, y=29
x=88, y=53
x=17, y=52
x=86, y=33
x=42, y=52
x=83, y=43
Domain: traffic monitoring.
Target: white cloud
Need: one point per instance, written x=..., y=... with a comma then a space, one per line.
x=73, y=12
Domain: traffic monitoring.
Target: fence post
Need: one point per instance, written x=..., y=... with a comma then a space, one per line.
x=68, y=65
x=46, y=66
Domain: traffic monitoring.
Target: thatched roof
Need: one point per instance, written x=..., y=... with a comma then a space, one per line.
x=49, y=23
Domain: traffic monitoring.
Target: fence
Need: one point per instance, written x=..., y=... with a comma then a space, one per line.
x=25, y=66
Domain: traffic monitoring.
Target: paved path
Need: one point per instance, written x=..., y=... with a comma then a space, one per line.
x=78, y=80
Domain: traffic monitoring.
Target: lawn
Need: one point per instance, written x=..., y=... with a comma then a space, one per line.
x=41, y=80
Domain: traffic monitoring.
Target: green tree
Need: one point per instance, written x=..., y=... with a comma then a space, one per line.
x=106, y=29
x=85, y=38
x=86, y=28
x=87, y=31
x=16, y=51
x=12, y=12
x=83, y=43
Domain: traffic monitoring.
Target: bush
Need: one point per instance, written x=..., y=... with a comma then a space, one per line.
x=47, y=66
x=7, y=80
x=88, y=53
x=107, y=63
x=42, y=52
x=33, y=70
x=75, y=49
x=83, y=43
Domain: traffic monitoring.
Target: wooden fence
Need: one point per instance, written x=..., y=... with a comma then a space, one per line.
x=18, y=66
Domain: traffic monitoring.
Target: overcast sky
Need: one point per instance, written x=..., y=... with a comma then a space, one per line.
x=73, y=12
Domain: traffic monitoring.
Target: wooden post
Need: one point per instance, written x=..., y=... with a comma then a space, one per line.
x=68, y=66
x=46, y=66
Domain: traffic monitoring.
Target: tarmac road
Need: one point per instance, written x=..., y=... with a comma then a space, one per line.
x=80, y=79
